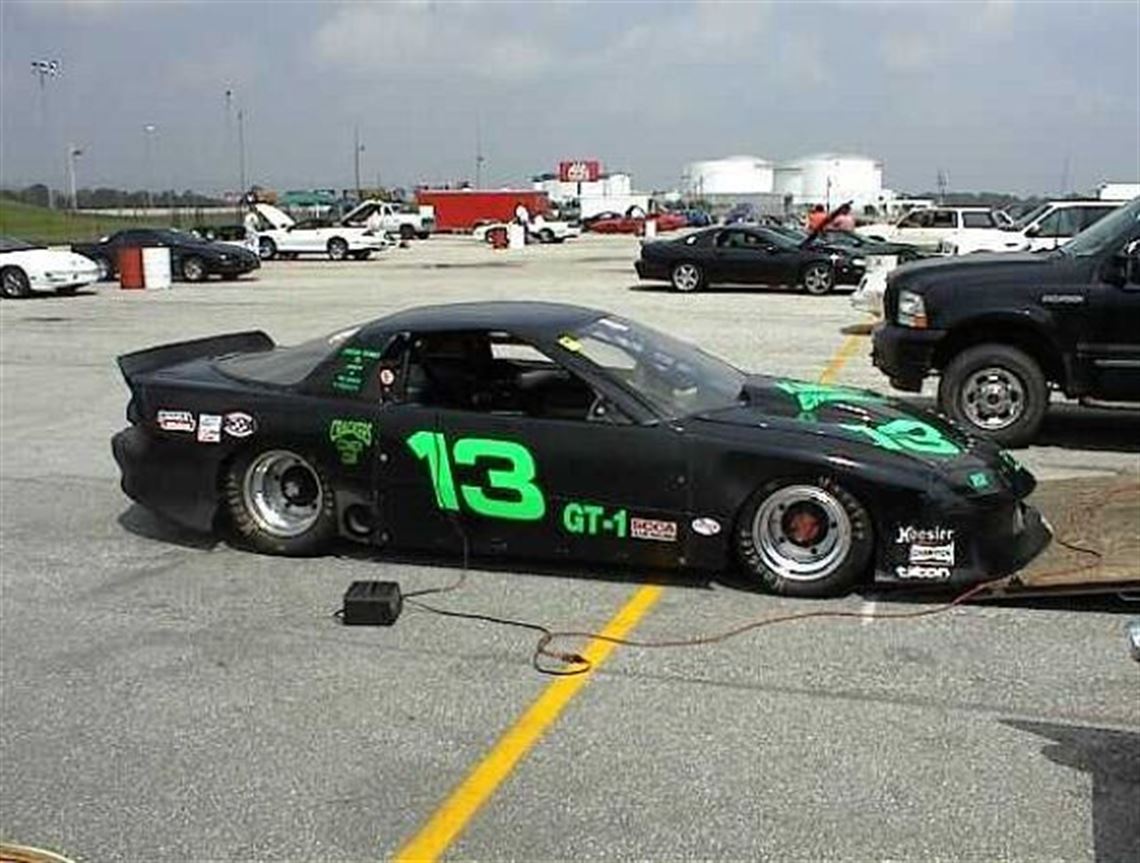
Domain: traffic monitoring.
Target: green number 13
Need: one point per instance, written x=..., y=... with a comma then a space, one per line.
x=517, y=479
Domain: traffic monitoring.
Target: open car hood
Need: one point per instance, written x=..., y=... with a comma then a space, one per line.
x=277, y=218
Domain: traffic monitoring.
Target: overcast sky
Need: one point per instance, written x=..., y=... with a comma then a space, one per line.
x=1001, y=95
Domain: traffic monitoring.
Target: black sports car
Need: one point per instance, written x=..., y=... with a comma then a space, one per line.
x=552, y=431
x=741, y=254
x=856, y=243
x=191, y=257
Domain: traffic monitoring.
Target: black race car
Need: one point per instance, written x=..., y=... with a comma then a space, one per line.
x=191, y=258
x=855, y=243
x=552, y=431
x=740, y=254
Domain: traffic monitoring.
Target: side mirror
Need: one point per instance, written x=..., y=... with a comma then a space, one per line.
x=1033, y=231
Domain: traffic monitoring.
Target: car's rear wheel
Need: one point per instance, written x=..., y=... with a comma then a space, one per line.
x=280, y=502
x=194, y=269
x=805, y=538
x=267, y=249
x=817, y=279
x=14, y=283
x=687, y=277
x=337, y=249
x=997, y=391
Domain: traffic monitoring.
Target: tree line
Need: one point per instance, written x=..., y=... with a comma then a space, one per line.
x=104, y=198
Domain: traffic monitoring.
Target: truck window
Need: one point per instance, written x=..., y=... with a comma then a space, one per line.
x=978, y=220
x=943, y=219
x=1061, y=223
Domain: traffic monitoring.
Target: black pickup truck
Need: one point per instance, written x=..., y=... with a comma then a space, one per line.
x=1002, y=329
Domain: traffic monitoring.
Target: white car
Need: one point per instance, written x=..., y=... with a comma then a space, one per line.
x=1046, y=227
x=868, y=296
x=402, y=223
x=26, y=267
x=288, y=238
x=540, y=230
x=930, y=227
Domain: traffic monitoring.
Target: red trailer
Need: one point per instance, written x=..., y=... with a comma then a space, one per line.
x=463, y=209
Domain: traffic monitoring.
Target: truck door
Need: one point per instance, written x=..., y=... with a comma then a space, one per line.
x=1113, y=341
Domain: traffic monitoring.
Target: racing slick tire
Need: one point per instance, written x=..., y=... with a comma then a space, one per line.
x=279, y=502
x=194, y=269
x=805, y=538
x=337, y=249
x=687, y=277
x=407, y=232
x=996, y=391
x=14, y=283
x=817, y=279
x=266, y=249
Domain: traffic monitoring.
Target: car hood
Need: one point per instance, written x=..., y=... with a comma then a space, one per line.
x=983, y=268
x=860, y=424
x=279, y=219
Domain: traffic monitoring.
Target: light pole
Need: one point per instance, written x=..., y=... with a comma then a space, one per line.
x=357, y=149
x=44, y=69
x=73, y=153
x=149, y=130
x=241, y=151
x=479, y=160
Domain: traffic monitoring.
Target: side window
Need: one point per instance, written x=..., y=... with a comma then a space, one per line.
x=1050, y=226
x=915, y=219
x=1092, y=215
x=730, y=240
x=978, y=220
x=943, y=219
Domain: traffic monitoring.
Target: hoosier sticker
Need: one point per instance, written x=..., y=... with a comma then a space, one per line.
x=176, y=421
x=648, y=528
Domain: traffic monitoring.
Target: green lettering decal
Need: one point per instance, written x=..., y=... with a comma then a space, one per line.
x=906, y=435
x=517, y=480
x=351, y=438
x=432, y=446
x=354, y=365
x=591, y=520
x=810, y=396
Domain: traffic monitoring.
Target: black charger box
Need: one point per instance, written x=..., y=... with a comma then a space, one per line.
x=372, y=603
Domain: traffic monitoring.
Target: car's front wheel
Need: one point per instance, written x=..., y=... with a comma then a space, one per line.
x=266, y=249
x=194, y=269
x=687, y=277
x=280, y=502
x=106, y=271
x=805, y=538
x=817, y=279
x=14, y=283
x=997, y=391
x=337, y=249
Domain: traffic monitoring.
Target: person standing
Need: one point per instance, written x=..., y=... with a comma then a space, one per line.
x=844, y=219
x=816, y=219
x=252, y=226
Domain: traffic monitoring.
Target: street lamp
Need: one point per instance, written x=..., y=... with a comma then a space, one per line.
x=73, y=153
x=44, y=69
x=357, y=149
x=149, y=131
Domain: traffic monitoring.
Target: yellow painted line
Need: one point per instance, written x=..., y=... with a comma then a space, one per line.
x=453, y=816
x=835, y=366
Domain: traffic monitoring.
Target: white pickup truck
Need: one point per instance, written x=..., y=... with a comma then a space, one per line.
x=393, y=220
x=930, y=227
x=1050, y=225
x=288, y=238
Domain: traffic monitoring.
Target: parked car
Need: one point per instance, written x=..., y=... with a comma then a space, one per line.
x=289, y=238
x=927, y=228
x=540, y=230
x=26, y=267
x=191, y=258
x=405, y=224
x=1045, y=227
x=544, y=430
x=742, y=214
x=742, y=254
x=696, y=218
x=634, y=224
x=1002, y=330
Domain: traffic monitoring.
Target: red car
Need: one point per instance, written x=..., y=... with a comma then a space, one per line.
x=614, y=224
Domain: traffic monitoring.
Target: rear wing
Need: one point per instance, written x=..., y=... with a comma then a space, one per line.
x=151, y=359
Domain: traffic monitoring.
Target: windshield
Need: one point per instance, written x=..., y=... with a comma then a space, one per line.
x=11, y=244
x=1114, y=229
x=1023, y=223
x=676, y=378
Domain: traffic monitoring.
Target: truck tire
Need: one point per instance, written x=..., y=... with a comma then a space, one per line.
x=407, y=232
x=996, y=391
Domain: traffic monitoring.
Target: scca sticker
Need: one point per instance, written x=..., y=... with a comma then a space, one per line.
x=649, y=528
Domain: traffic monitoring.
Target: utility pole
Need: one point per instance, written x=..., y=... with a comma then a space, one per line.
x=357, y=149
x=44, y=69
x=149, y=131
x=943, y=182
x=241, y=151
x=479, y=160
x=73, y=153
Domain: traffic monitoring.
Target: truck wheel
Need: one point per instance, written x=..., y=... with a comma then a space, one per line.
x=805, y=538
x=266, y=249
x=687, y=277
x=997, y=391
x=423, y=235
x=280, y=502
x=337, y=249
x=407, y=232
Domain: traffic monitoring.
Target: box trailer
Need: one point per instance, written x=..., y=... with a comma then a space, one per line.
x=463, y=209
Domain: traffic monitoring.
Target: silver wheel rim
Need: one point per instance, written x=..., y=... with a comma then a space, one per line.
x=13, y=285
x=817, y=280
x=265, y=249
x=686, y=277
x=794, y=556
x=192, y=270
x=337, y=250
x=282, y=493
x=993, y=398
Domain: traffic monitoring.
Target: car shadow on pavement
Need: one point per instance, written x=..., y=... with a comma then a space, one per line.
x=1072, y=426
x=1112, y=760
x=666, y=288
x=142, y=522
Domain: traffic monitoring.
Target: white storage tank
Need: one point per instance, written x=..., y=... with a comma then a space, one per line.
x=734, y=175
x=831, y=178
